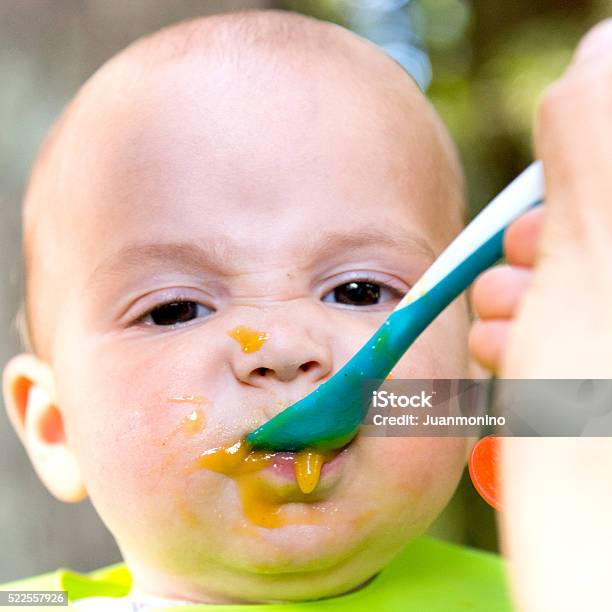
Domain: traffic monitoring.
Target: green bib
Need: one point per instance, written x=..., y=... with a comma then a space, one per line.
x=429, y=575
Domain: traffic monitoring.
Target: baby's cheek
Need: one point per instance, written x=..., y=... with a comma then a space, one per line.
x=135, y=448
x=137, y=472
x=126, y=455
x=427, y=464
x=119, y=412
x=416, y=476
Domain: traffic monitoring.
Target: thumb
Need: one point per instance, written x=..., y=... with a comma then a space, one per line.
x=574, y=141
x=597, y=42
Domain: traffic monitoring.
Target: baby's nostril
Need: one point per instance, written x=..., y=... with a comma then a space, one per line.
x=262, y=371
x=305, y=367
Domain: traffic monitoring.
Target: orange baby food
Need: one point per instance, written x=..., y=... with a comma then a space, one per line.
x=308, y=466
x=250, y=340
x=188, y=399
x=192, y=423
x=235, y=460
x=261, y=503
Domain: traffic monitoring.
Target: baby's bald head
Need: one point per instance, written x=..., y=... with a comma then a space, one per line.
x=112, y=135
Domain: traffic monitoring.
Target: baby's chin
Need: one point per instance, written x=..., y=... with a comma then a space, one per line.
x=300, y=548
x=299, y=561
x=309, y=561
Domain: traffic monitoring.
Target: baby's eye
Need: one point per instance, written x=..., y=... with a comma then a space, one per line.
x=361, y=293
x=175, y=313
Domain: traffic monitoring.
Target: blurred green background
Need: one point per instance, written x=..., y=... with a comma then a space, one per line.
x=484, y=64
x=490, y=61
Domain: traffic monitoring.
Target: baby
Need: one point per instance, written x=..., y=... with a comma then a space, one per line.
x=224, y=214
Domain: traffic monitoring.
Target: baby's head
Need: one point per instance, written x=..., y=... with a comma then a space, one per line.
x=263, y=171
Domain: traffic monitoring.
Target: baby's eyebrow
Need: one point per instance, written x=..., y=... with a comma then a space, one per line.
x=333, y=242
x=183, y=256
x=215, y=258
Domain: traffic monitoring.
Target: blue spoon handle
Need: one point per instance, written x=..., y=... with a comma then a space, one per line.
x=331, y=415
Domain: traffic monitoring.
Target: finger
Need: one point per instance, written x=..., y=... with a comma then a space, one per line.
x=572, y=140
x=497, y=292
x=593, y=44
x=522, y=236
x=487, y=342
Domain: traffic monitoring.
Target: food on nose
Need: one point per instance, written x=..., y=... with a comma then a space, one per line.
x=250, y=340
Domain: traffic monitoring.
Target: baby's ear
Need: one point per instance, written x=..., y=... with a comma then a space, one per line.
x=29, y=395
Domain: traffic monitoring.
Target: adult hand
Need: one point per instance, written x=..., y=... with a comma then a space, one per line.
x=548, y=314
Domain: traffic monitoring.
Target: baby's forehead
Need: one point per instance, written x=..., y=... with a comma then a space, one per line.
x=202, y=119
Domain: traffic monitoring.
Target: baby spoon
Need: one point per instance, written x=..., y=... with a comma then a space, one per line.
x=330, y=416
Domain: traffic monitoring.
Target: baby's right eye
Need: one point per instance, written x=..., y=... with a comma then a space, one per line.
x=175, y=313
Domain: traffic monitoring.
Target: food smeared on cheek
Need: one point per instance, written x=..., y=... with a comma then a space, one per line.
x=234, y=460
x=262, y=503
x=188, y=399
x=193, y=423
x=250, y=340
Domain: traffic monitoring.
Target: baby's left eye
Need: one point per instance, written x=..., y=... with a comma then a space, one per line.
x=361, y=293
x=175, y=313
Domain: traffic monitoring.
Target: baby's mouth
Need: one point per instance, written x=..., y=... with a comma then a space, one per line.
x=310, y=470
x=305, y=468
x=268, y=483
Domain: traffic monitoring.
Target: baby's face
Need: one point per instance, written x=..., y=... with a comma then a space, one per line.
x=293, y=208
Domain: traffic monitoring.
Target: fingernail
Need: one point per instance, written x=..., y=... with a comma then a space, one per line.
x=596, y=42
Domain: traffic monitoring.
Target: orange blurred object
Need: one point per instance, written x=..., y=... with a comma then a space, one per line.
x=483, y=466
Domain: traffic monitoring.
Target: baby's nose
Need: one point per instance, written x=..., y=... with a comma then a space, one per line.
x=281, y=354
